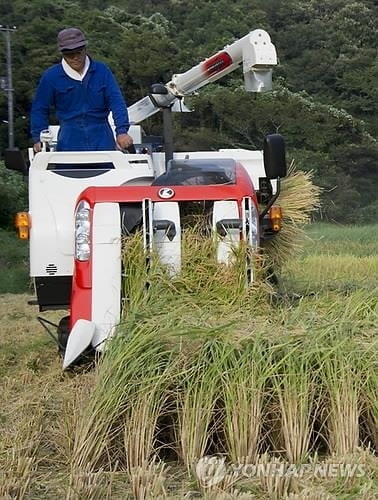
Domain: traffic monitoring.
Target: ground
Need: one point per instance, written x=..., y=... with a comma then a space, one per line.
x=336, y=276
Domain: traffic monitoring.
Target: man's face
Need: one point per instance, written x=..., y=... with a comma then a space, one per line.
x=75, y=59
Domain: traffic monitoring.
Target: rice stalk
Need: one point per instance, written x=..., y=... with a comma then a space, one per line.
x=135, y=274
x=299, y=197
x=276, y=485
x=196, y=400
x=145, y=407
x=89, y=485
x=295, y=387
x=62, y=437
x=372, y=399
x=148, y=480
x=120, y=377
x=203, y=279
x=370, y=391
x=342, y=388
x=19, y=451
x=244, y=375
x=16, y=476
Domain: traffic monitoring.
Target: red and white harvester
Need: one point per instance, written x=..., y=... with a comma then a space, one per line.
x=82, y=203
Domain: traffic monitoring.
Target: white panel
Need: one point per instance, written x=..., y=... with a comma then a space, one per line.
x=121, y=161
x=147, y=225
x=79, y=339
x=141, y=110
x=169, y=251
x=226, y=210
x=52, y=199
x=250, y=234
x=106, y=270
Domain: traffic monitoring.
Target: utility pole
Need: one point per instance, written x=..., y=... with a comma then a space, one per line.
x=7, y=32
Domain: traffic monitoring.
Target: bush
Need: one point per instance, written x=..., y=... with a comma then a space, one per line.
x=368, y=214
x=14, y=276
x=13, y=195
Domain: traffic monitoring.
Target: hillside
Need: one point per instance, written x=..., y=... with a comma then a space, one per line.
x=325, y=94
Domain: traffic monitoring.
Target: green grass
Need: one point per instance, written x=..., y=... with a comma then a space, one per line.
x=337, y=239
x=14, y=263
x=338, y=258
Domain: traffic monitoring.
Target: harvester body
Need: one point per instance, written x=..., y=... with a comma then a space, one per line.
x=82, y=204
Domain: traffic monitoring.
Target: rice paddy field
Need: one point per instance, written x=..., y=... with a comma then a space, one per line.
x=204, y=380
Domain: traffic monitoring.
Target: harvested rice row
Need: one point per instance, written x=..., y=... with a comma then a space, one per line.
x=203, y=365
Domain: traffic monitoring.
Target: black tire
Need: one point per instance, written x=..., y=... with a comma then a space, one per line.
x=63, y=333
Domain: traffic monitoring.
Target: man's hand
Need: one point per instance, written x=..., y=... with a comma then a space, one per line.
x=124, y=141
x=37, y=147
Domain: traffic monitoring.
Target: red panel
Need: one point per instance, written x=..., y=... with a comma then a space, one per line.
x=216, y=64
x=81, y=298
x=118, y=194
x=81, y=295
x=81, y=304
x=83, y=274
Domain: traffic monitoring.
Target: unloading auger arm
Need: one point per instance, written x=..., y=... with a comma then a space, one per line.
x=255, y=51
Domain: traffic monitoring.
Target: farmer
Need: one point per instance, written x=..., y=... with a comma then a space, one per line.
x=82, y=92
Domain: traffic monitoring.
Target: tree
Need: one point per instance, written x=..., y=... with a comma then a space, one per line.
x=326, y=93
x=320, y=138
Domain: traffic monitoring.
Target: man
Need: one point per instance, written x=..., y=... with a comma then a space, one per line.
x=82, y=92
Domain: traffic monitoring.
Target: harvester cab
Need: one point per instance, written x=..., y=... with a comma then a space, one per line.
x=81, y=204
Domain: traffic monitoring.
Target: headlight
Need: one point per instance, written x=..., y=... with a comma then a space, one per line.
x=82, y=231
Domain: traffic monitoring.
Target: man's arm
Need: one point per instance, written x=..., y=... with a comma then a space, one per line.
x=40, y=110
x=118, y=108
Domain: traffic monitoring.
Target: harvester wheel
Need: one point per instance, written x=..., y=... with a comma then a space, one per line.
x=63, y=332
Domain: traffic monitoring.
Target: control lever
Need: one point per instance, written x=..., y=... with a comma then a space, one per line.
x=129, y=150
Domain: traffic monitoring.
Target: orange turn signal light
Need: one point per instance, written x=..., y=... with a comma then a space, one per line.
x=22, y=223
x=275, y=215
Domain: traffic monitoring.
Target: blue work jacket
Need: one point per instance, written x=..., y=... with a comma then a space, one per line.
x=82, y=108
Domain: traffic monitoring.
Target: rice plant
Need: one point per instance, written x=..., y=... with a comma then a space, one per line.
x=298, y=199
x=294, y=383
x=370, y=392
x=120, y=380
x=197, y=397
x=140, y=428
x=244, y=375
x=148, y=480
x=342, y=385
x=89, y=484
x=276, y=486
x=231, y=371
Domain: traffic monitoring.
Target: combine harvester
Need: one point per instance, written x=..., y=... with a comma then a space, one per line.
x=82, y=203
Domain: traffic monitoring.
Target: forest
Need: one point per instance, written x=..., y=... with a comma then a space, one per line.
x=324, y=98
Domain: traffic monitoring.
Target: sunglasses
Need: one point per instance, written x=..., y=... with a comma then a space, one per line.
x=73, y=53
